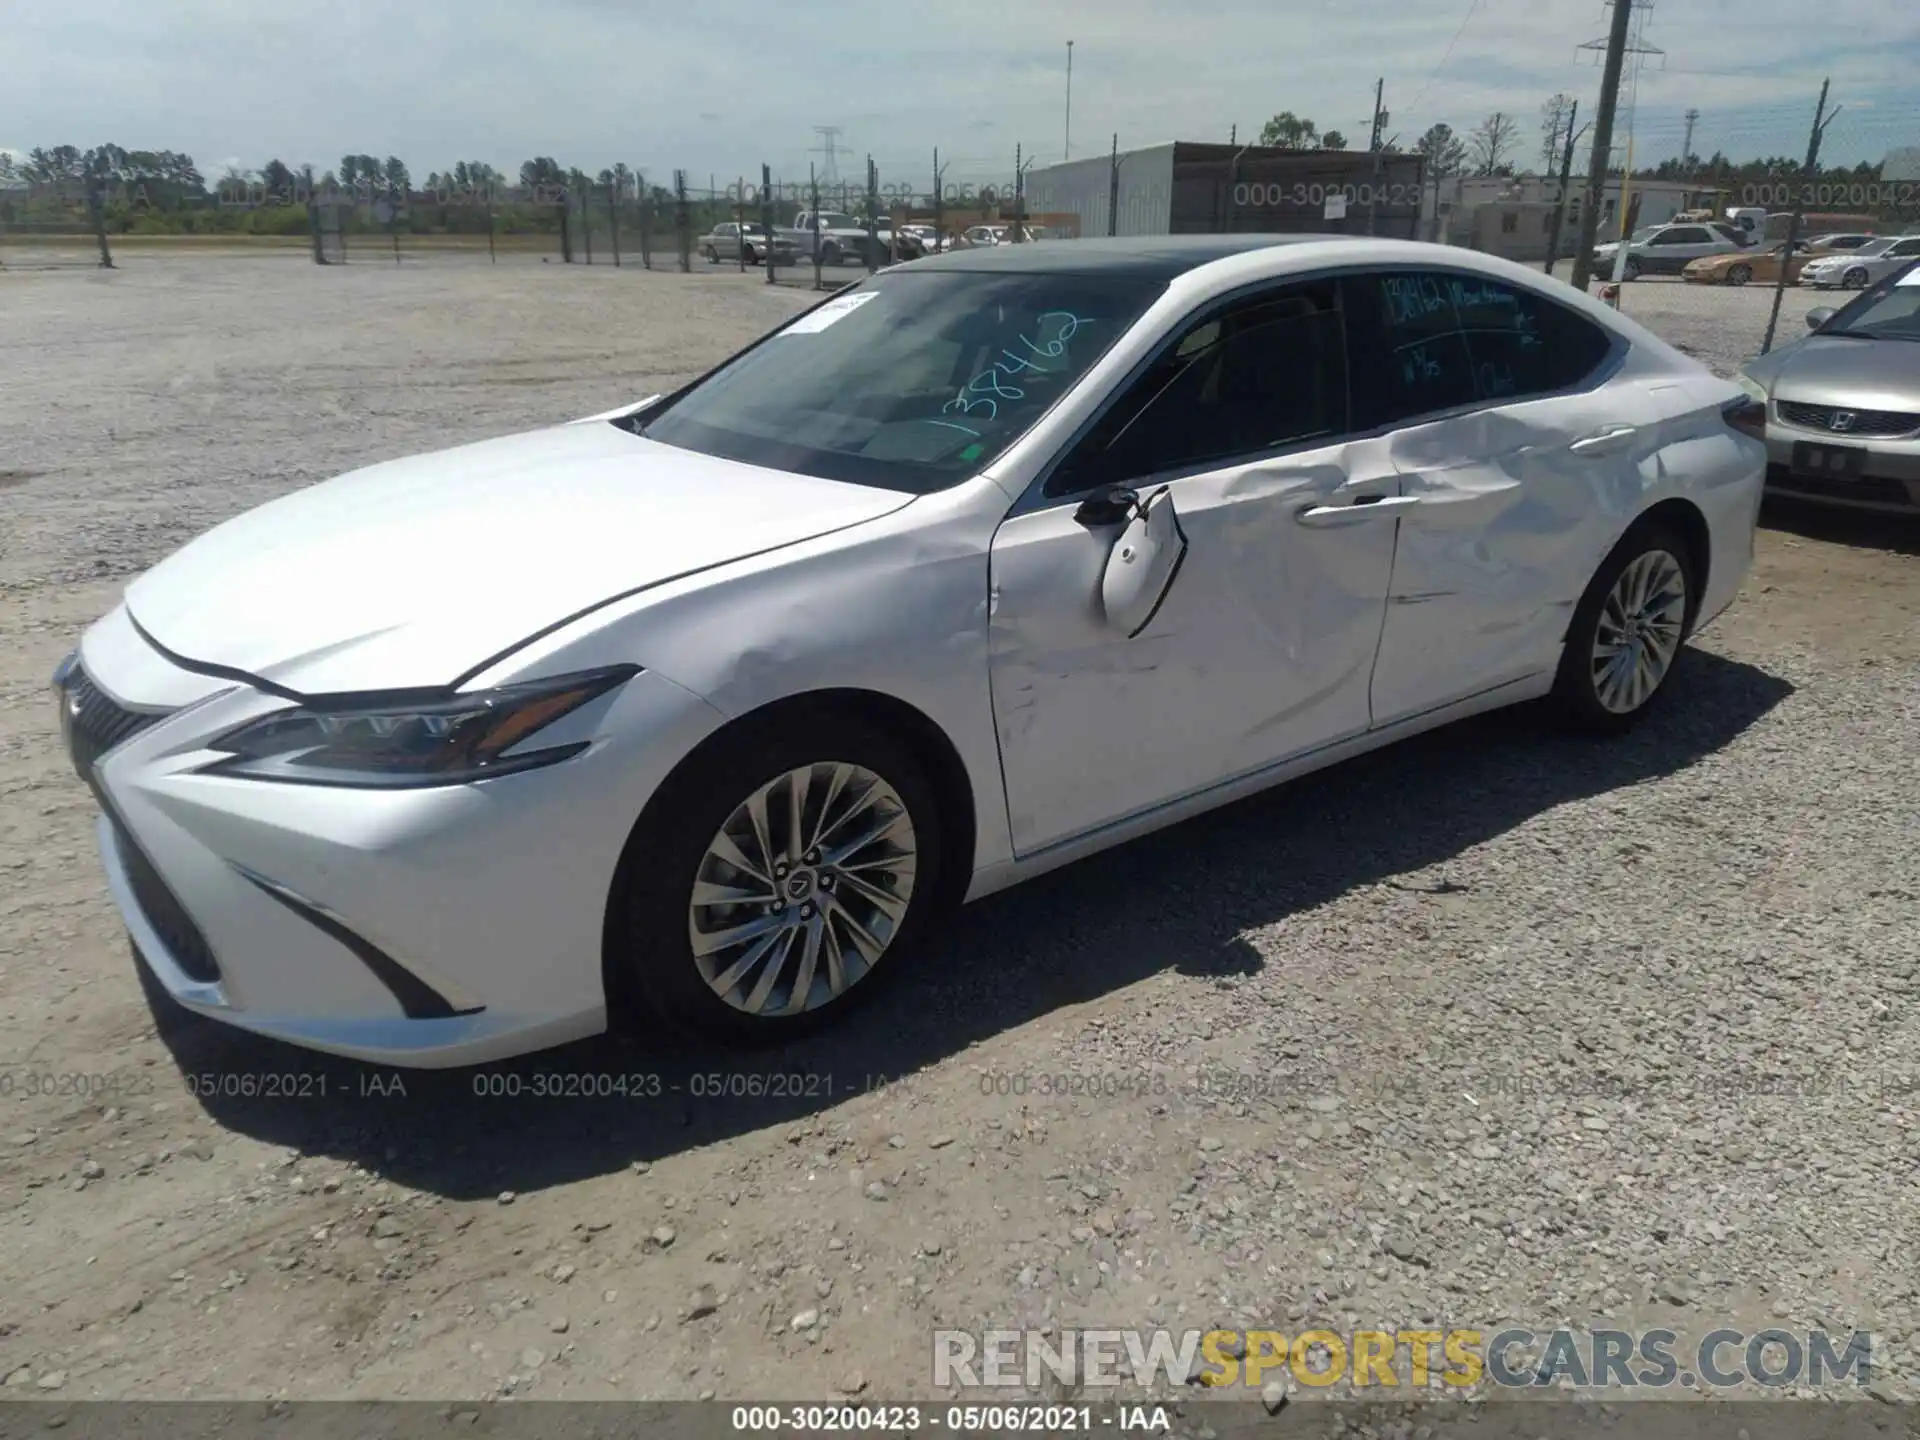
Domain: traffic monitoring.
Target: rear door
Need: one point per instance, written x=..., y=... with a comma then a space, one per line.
x=1517, y=459
x=1670, y=250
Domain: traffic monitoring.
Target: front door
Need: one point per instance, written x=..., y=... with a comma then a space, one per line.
x=1515, y=465
x=1266, y=545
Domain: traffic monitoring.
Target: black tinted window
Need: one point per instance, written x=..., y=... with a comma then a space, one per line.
x=1260, y=373
x=1425, y=342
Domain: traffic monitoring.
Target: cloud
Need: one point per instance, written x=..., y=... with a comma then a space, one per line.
x=592, y=82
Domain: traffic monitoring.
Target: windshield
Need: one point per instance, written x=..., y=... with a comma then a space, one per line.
x=909, y=382
x=1874, y=247
x=1889, y=311
x=1641, y=237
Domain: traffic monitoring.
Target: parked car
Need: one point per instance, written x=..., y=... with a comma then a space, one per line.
x=1834, y=243
x=985, y=235
x=1668, y=249
x=1843, y=417
x=1858, y=268
x=1741, y=266
x=701, y=713
x=724, y=241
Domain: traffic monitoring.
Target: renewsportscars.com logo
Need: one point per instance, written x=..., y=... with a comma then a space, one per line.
x=1659, y=1360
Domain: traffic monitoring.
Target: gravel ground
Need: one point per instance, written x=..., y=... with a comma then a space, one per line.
x=1495, y=1026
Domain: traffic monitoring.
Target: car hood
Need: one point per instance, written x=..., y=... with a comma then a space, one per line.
x=1855, y=374
x=414, y=572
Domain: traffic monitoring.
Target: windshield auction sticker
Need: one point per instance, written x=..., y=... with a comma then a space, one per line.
x=834, y=310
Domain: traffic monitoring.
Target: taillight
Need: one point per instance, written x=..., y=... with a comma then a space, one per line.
x=1747, y=415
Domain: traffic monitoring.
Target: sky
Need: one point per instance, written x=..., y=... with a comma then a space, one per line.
x=720, y=88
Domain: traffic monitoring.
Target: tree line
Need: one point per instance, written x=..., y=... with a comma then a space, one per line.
x=1498, y=146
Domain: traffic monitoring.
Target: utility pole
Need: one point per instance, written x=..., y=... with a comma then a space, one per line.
x=1602, y=140
x=1692, y=118
x=1821, y=119
x=1373, y=145
x=1066, y=140
x=1566, y=179
x=1019, y=180
x=1113, y=187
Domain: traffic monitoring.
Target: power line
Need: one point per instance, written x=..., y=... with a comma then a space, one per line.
x=1473, y=7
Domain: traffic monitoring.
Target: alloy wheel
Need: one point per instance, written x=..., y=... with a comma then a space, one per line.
x=802, y=889
x=1639, y=632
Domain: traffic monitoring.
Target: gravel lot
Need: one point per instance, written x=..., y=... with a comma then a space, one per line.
x=1493, y=1027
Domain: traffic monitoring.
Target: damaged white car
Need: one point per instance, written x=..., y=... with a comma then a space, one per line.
x=702, y=711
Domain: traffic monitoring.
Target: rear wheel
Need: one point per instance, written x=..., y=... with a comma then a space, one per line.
x=775, y=880
x=1628, y=631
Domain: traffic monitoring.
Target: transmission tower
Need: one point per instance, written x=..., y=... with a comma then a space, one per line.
x=828, y=150
x=1686, y=146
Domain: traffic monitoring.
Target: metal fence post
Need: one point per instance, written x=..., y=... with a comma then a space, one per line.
x=645, y=220
x=681, y=230
x=813, y=222
x=873, y=216
x=740, y=220
x=492, y=258
x=766, y=217
x=613, y=216
x=939, y=205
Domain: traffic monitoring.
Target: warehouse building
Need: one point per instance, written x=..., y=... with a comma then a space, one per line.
x=1189, y=188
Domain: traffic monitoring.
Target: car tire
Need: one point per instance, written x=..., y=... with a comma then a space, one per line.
x=830, y=254
x=1630, y=270
x=1739, y=274
x=1640, y=603
x=753, y=256
x=712, y=256
x=1854, y=279
x=733, y=790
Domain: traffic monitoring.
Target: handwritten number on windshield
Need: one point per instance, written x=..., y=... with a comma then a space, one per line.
x=1056, y=328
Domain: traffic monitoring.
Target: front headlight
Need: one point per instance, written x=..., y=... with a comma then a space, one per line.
x=1755, y=390
x=392, y=742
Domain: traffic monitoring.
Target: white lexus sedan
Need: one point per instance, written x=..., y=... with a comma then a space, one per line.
x=699, y=713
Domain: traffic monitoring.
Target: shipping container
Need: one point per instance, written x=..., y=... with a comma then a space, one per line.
x=1188, y=188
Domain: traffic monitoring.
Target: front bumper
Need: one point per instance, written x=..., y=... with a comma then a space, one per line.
x=1889, y=482
x=428, y=927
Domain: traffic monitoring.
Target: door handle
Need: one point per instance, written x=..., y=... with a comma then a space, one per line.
x=1370, y=507
x=1606, y=442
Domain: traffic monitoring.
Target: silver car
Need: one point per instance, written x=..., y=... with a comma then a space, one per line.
x=1857, y=269
x=723, y=242
x=1843, y=403
x=1668, y=249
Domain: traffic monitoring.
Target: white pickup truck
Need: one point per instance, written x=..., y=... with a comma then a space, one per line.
x=842, y=238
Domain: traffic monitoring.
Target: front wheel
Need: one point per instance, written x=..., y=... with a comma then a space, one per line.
x=753, y=256
x=712, y=255
x=830, y=254
x=1630, y=270
x=1739, y=274
x=775, y=880
x=1628, y=631
x=1855, y=279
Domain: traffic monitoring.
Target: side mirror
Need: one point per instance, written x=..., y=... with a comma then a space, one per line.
x=1819, y=316
x=1112, y=506
x=1142, y=565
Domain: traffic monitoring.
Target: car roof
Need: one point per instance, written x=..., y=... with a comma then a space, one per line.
x=1157, y=257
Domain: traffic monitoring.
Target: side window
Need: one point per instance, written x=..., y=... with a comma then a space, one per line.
x=1264, y=371
x=1687, y=235
x=1906, y=247
x=1442, y=341
x=1409, y=357
x=1523, y=344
